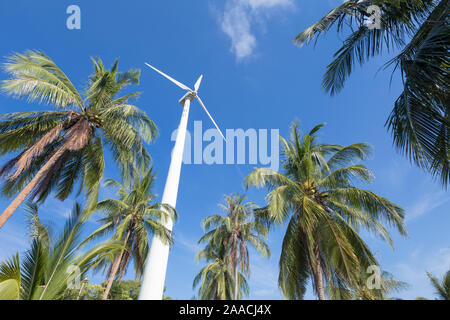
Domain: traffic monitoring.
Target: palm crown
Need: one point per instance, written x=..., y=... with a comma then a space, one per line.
x=58, y=148
x=216, y=280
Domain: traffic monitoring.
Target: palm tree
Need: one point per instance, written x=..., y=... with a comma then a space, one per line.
x=234, y=231
x=48, y=267
x=420, y=119
x=315, y=192
x=58, y=148
x=442, y=287
x=132, y=217
x=216, y=280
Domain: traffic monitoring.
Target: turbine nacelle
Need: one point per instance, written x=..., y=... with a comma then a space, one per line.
x=190, y=94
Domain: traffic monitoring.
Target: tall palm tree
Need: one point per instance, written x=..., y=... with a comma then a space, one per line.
x=420, y=119
x=58, y=148
x=48, y=267
x=216, y=280
x=442, y=287
x=315, y=193
x=132, y=218
x=234, y=231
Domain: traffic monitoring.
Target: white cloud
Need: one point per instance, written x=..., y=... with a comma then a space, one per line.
x=427, y=204
x=257, y=4
x=191, y=245
x=414, y=272
x=236, y=21
x=263, y=277
x=440, y=262
x=236, y=25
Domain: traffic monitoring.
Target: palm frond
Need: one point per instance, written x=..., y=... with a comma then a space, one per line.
x=10, y=279
x=35, y=75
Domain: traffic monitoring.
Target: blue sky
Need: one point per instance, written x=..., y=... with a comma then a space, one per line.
x=254, y=77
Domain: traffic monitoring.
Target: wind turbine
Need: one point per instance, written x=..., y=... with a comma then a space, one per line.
x=155, y=268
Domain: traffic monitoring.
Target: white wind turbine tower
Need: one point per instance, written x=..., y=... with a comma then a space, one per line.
x=155, y=268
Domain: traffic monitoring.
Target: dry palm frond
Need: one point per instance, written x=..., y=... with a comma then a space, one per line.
x=27, y=157
x=78, y=135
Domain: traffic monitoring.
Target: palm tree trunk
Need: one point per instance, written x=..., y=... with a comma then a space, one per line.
x=78, y=138
x=318, y=275
x=235, y=265
x=115, y=267
x=124, y=267
x=235, y=281
x=317, y=271
x=30, y=186
x=81, y=289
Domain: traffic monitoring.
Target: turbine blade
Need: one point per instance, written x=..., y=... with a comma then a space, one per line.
x=204, y=108
x=197, y=84
x=182, y=86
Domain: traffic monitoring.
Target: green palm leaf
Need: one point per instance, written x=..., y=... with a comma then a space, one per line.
x=10, y=280
x=419, y=122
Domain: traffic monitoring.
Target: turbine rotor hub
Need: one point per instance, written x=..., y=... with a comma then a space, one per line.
x=189, y=95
